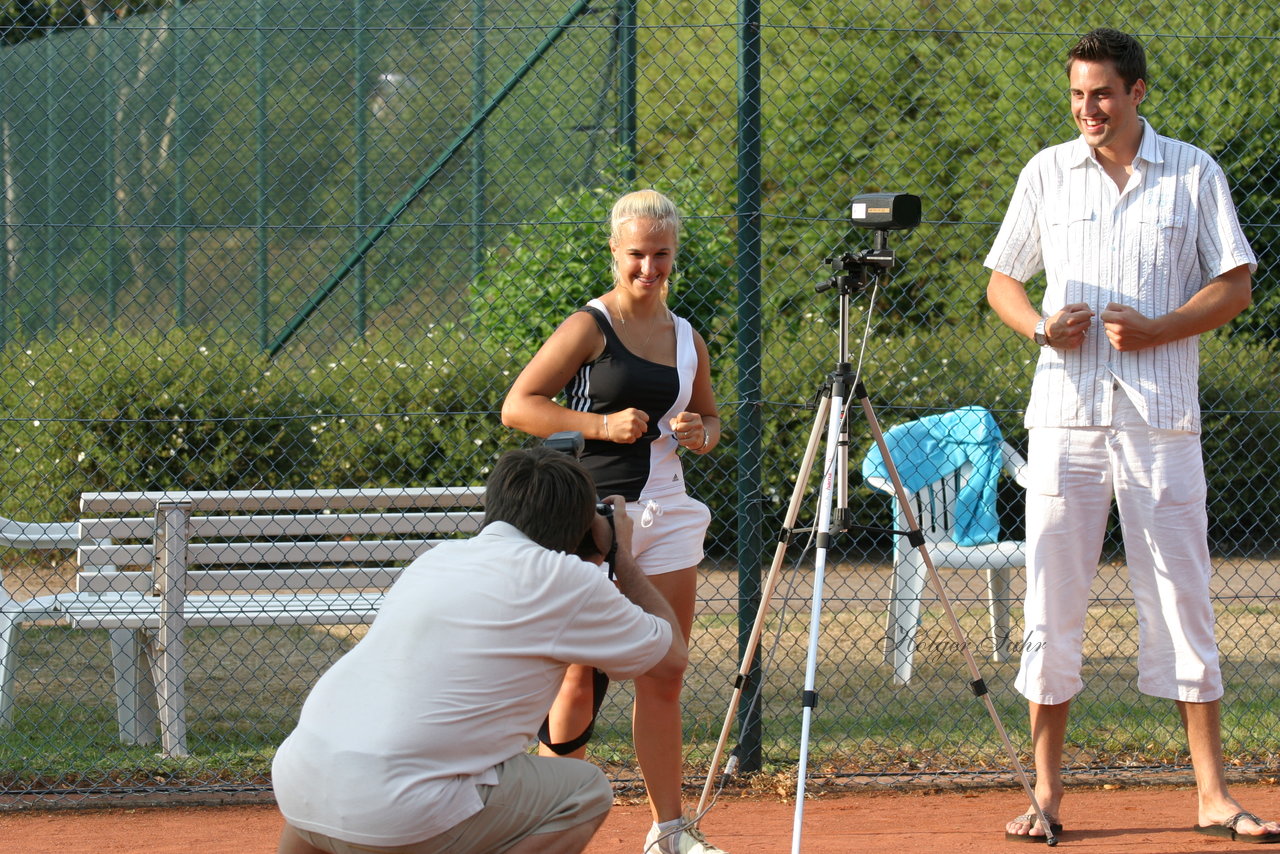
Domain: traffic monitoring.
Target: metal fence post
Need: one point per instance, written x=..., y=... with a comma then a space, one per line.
x=477, y=146
x=5, y=260
x=49, y=232
x=627, y=136
x=179, y=161
x=109, y=33
x=749, y=436
x=261, y=210
x=361, y=109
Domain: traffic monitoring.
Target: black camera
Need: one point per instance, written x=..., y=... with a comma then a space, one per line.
x=885, y=211
x=571, y=442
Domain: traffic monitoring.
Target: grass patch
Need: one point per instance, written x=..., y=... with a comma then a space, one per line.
x=246, y=686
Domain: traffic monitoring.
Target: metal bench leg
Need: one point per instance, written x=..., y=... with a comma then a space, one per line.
x=134, y=689
x=168, y=653
x=170, y=681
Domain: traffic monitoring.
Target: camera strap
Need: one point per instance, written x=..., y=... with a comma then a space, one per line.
x=599, y=686
x=612, y=557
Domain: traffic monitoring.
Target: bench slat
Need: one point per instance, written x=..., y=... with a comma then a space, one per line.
x=135, y=611
x=335, y=524
x=267, y=552
x=270, y=500
x=292, y=525
x=285, y=580
x=125, y=528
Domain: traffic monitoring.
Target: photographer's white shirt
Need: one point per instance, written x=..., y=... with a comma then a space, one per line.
x=453, y=678
x=1150, y=246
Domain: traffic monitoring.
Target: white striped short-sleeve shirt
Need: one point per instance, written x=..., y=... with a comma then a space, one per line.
x=1150, y=246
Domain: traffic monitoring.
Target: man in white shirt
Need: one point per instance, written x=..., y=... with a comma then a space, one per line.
x=1142, y=252
x=417, y=739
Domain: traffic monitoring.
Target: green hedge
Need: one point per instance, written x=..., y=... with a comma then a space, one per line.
x=133, y=412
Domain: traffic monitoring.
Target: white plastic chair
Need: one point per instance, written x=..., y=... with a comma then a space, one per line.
x=14, y=614
x=934, y=507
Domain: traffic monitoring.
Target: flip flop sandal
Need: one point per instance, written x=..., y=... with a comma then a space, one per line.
x=1055, y=827
x=1227, y=830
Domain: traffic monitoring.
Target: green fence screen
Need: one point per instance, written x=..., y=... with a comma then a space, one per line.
x=252, y=245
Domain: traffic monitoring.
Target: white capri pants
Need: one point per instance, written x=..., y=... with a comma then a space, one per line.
x=1157, y=479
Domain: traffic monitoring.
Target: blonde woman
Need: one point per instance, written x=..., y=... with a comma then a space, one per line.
x=635, y=380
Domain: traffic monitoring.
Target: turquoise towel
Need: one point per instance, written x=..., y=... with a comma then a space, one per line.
x=936, y=446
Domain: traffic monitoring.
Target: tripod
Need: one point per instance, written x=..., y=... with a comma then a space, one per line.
x=855, y=274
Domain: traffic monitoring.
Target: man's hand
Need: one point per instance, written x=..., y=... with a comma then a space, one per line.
x=619, y=532
x=1068, y=326
x=1129, y=329
x=635, y=586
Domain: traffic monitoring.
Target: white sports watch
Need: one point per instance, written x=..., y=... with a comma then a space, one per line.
x=1041, y=335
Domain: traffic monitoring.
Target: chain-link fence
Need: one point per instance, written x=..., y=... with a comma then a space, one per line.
x=308, y=246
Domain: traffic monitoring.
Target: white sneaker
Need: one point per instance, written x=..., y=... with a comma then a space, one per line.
x=688, y=840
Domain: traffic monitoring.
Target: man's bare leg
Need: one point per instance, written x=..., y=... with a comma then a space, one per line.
x=1203, y=724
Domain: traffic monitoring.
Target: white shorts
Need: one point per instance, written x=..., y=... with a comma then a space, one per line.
x=1157, y=480
x=668, y=532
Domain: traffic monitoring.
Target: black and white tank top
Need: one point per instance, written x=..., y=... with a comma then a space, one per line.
x=619, y=379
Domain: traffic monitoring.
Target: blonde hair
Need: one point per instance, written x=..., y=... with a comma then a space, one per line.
x=647, y=205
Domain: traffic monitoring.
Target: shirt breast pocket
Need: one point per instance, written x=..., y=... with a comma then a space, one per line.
x=1073, y=246
x=1162, y=236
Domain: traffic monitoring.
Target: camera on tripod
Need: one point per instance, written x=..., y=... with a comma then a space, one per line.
x=883, y=212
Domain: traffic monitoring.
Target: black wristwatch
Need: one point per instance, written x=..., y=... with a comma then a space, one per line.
x=1041, y=335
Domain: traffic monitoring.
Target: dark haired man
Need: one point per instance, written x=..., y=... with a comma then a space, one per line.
x=416, y=740
x=1142, y=252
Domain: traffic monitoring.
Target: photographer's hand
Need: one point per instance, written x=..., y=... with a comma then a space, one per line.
x=636, y=586
x=631, y=581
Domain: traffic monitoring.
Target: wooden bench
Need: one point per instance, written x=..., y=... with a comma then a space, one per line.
x=153, y=564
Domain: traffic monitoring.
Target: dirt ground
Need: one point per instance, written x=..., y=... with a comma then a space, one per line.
x=1127, y=819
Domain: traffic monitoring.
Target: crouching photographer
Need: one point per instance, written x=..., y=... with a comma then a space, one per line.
x=416, y=740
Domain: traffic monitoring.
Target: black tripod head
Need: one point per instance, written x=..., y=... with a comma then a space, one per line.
x=854, y=271
x=883, y=212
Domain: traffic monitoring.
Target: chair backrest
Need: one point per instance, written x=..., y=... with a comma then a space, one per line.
x=16, y=534
x=934, y=507
x=934, y=504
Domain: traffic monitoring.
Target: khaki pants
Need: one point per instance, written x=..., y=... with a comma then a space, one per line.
x=533, y=795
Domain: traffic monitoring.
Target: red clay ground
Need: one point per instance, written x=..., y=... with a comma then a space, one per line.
x=1127, y=820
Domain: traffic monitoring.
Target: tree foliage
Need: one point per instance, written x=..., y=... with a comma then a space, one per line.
x=545, y=270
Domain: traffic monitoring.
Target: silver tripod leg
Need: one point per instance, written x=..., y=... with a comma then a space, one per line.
x=978, y=685
x=830, y=413
x=834, y=466
x=766, y=596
